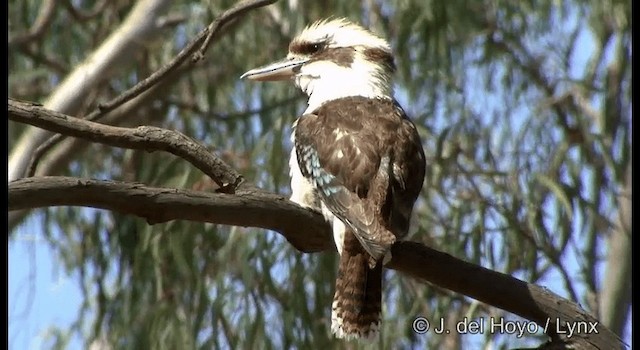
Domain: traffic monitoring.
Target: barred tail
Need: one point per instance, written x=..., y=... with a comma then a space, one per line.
x=357, y=303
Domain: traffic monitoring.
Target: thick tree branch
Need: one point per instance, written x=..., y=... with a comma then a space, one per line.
x=257, y=208
x=128, y=114
x=143, y=137
x=249, y=207
x=553, y=313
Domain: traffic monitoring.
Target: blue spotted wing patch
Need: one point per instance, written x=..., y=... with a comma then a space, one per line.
x=343, y=203
x=334, y=194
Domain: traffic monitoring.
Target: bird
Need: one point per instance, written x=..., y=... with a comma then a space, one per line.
x=357, y=158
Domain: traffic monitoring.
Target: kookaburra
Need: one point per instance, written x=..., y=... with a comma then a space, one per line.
x=357, y=158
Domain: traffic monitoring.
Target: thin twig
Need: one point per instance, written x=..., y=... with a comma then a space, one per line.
x=225, y=18
x=145, y=84
x=193, y=46
x=41, y=151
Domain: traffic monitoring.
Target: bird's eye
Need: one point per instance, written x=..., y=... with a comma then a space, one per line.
x=314, y=48
x=307, y=48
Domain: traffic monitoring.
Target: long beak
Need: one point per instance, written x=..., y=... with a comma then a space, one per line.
x=281, y=70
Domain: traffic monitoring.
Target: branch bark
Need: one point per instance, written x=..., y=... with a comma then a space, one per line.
x=129, y=113
x=249, y=207
x=257, y=208
x=143, y=137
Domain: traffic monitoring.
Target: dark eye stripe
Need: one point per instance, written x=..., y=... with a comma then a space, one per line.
x=306, y=48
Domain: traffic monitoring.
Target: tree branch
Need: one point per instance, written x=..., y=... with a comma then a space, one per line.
x=193, y=48
x=129, y=114
x=143, y=137
x=257, y=208
x=249, y=207
x=139, y=27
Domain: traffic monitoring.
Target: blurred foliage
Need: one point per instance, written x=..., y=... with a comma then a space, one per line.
x=524, y=109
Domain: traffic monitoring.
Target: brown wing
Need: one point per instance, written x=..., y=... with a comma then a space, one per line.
x=366, y=161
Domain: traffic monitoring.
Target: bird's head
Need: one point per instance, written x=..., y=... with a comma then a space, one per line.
x=331, y=59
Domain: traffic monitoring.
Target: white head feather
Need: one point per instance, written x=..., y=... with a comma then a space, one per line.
x=325, y=78
x=341, y=33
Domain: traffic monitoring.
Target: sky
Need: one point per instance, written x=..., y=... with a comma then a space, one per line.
x=41, y=294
